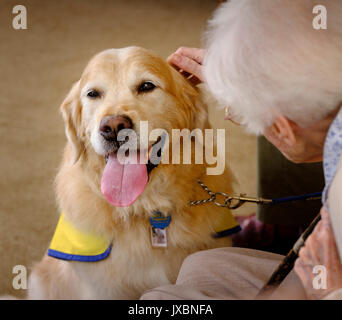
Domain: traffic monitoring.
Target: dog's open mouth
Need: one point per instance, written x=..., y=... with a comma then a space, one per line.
x=123, y=182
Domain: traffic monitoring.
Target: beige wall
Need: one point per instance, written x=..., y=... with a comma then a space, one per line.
x=38, y=66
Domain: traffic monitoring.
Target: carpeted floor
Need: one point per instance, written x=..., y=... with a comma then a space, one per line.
x=38, y=66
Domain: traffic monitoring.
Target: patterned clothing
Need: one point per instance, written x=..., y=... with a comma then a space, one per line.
x=332, y=153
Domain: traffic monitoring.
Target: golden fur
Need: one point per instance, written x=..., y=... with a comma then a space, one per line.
x=133, y=265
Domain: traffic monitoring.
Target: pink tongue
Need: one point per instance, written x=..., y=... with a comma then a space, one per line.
x=122, y=184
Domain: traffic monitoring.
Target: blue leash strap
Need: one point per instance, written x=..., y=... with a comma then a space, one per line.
x=309, y=196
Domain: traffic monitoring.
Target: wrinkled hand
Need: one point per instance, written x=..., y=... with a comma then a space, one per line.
x=188, y=61
x=320, y=249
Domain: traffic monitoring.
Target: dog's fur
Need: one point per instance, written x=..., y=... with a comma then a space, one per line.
x=133, y=265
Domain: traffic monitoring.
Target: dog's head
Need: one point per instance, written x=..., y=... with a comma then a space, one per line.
x=118, y=89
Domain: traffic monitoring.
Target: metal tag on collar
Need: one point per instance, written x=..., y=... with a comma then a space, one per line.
x=158, y=229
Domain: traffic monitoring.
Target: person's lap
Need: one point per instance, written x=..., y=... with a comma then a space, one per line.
x=226, y=273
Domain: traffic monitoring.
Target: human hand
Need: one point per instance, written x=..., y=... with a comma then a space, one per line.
x=188, y=61
x=320, y=249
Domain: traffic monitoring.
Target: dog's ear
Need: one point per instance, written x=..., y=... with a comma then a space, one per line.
x=71, y=110
x=191, y=97
x=200, y=115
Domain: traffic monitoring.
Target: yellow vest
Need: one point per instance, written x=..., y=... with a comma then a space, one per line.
x=69, y=243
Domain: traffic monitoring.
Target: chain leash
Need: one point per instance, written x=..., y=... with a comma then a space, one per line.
x=236, y=202
x=228, y=200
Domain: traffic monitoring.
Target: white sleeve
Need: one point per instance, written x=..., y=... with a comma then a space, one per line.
x=335, y=295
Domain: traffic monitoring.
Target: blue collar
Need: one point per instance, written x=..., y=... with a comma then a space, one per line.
x=226, y=227
x=159, y=221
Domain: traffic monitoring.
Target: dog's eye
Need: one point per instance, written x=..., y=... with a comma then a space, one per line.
x=146, y=86
x=93, y=94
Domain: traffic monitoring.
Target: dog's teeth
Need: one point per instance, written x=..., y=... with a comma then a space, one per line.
x=106, y=158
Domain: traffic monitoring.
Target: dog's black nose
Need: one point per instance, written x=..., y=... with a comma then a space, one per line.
x=111, y=125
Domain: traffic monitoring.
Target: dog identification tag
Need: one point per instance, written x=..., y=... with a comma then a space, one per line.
x=158, y=229
x=158, y=237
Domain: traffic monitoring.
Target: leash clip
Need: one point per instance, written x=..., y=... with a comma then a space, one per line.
x=230, y=202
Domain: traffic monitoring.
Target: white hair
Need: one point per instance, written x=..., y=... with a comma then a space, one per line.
x=265, y=59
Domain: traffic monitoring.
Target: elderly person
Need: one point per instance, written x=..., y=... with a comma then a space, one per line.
x=280, y=77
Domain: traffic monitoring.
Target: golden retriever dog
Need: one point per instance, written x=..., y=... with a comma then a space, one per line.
x=115, y=202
